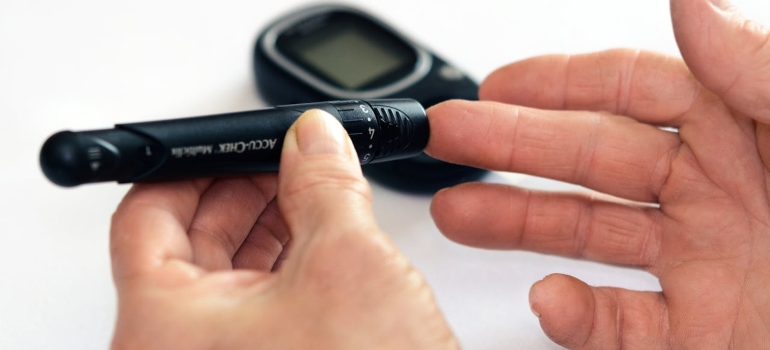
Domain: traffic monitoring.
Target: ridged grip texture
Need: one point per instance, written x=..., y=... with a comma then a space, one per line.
x=397, y=130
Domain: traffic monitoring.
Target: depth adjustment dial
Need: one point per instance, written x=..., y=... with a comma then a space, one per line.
x=359, y=120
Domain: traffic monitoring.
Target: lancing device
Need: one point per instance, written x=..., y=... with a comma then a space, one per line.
x=226, y=144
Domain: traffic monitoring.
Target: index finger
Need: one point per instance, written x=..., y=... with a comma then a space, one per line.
x=611, y=154
x=150, y=226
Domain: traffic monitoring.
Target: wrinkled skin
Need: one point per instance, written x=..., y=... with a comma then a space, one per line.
x=200, y=264
x=592, y=120
x=296, y=260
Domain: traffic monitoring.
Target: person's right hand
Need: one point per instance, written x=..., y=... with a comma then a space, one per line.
x=708, y=242
x=196, y=263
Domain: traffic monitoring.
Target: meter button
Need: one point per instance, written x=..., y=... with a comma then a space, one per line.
x=451, y=73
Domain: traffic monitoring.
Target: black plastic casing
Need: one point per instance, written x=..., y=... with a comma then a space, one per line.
x=441, y=82
x=226, y=144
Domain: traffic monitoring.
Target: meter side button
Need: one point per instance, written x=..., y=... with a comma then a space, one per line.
x=450, y=73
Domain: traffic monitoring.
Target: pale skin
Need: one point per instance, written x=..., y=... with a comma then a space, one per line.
x=205, y=264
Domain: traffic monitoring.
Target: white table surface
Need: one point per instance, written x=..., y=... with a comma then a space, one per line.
x=85, y=64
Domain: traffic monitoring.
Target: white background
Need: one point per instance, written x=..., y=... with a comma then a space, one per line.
x=90, y=64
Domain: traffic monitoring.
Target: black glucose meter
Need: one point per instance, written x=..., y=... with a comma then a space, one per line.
x=336, y=52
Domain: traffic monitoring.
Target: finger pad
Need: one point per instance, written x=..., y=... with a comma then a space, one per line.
x=478, y=214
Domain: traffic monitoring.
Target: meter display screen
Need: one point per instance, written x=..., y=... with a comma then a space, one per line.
x=350, y=58
x=348, y=52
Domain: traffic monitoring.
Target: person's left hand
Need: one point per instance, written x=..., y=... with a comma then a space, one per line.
x=691, y=207
x=192, y=260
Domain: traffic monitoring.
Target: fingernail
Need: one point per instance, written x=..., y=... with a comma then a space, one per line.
x=534, y=312
x=531, y=302
x=319, y=133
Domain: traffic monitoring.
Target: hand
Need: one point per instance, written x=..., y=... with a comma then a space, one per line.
x=192, y=260
x=708, y=241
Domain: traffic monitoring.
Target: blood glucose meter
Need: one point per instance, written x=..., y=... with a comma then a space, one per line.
x=336, y=52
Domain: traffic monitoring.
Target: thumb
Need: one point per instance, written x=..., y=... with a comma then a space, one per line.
x=578, y=316
x=321, y=186
x=729, y=54
x=342, y=263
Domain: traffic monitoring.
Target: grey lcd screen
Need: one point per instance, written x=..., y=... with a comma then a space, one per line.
x=351, y=58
